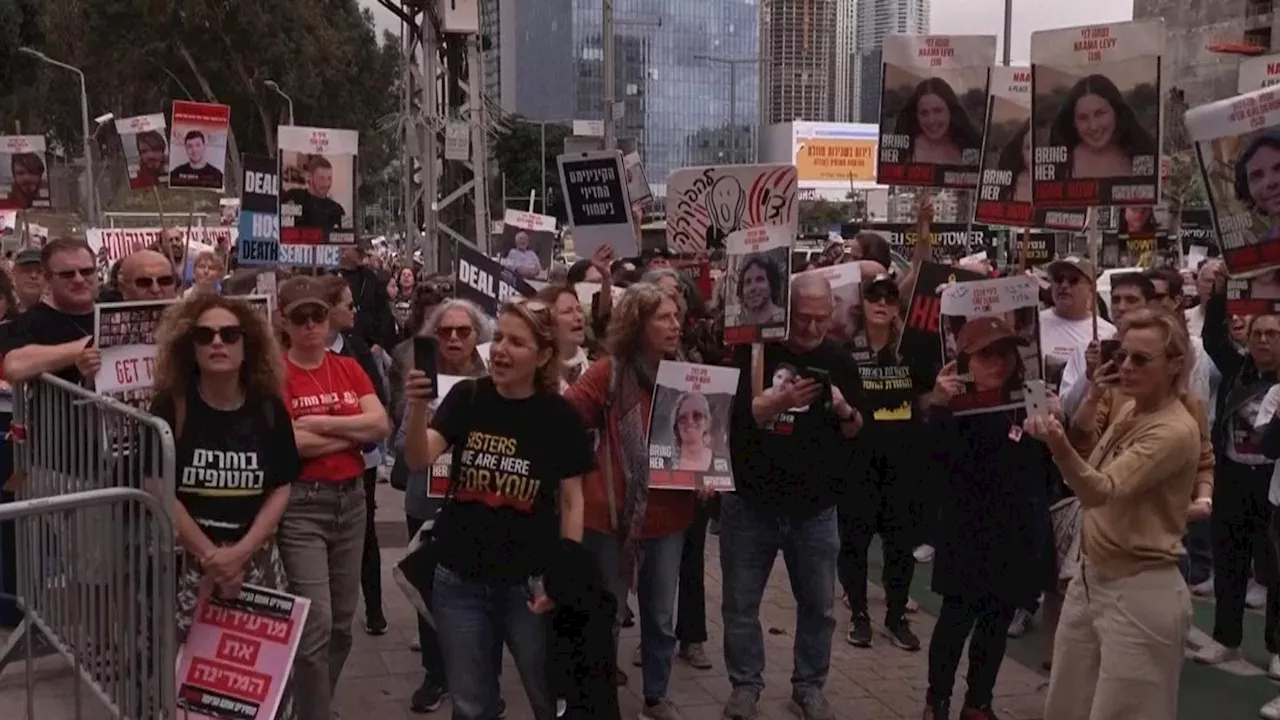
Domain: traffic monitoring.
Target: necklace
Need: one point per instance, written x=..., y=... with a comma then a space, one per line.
x=328, y=373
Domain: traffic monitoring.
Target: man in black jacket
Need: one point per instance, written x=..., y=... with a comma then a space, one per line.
x=375, y=321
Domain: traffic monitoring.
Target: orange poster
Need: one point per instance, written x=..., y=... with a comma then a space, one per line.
x=835, y=160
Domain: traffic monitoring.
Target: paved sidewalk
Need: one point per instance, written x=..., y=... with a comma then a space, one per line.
x=880, y=683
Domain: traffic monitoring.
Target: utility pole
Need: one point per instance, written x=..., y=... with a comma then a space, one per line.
x=610, y=86
x=1008, y=31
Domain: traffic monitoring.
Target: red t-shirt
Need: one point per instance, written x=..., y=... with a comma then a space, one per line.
x=334, y=388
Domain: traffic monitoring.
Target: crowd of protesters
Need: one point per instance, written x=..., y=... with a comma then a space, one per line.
x=1098, y=520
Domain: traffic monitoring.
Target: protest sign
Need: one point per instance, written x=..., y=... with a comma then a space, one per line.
x=706, y=204
x=991, y=330
x=441, y=470
x=120, y=242
x=236, y=661
x=527, y=242
x=933, y=99
x=637, y=182
x=1195, y=227
x=200, y=130
x=1238, y=145
x=1257, y=295
x=1257, y=73
x=846, y=328
x=953, y=240
x=595, y=193
x=757, y=297
x=485, y=282
x=259, y=224
x=1004, y=185
x=1142, y=233
x=125, y=334
x=919, y=341
x=228, y=211
x=1036, y=249
x=318, y=182
x=1095, y=113
x=689, y=430
x=146, y=151
x=24, y=174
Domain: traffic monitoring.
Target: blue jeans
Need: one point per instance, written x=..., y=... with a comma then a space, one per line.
x=659, y=577
x=749, y=544
x=470, y=619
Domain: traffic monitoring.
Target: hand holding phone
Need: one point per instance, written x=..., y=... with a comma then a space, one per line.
x=825, y=399
x=1036, y=398
x=424, y=359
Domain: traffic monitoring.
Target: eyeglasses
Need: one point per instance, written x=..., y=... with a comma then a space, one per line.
x=1264, y=335
x=803, y=320
x=230, y=335
x=309, y=313
x=697, y=417
x=84, y=272
x=1065, y=279
x=462, y=332
x=146, y=283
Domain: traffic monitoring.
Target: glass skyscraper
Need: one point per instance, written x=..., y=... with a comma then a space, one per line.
x=676, y=105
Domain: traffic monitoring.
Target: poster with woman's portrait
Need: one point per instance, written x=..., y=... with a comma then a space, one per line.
x=1142, y=234
x=1258, y=294
x=146, y=149
x=1095, y=114
x=24, y=172
x=933, y=100
x=1237, y=141
x=756, y=299
x=847, y=328
x=689, y=427
x=991, y=330
x=1004, y=184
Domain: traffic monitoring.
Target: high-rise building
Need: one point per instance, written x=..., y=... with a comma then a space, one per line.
x=1204, y=42
x=800, y=47
x=875, y=20
x=675, y=74
x=842, y=85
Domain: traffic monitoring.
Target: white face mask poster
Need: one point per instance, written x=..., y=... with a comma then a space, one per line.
x=707, y=204
x=689, y=427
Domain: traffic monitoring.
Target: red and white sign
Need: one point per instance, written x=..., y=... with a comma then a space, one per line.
x=120, y=242
x=237, y=658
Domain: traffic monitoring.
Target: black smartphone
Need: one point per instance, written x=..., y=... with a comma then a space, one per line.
x=1107, y=350
x=424, y=359
x=823, y=378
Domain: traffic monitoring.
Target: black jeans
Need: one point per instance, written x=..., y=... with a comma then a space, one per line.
x=987, y=620
x=856, y=530
x=371, y=560
x=432, y=659
x=691, y=609
x=1240, y=523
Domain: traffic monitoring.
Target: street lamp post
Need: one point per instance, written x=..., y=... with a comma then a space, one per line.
x=733, y=64
x=272, y=84
x=84, y=126
x=542, y=132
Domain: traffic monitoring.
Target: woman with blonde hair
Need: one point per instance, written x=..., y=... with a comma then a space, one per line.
x=206, y=273
x=1132, y=458
x=691, y=428
x=219, y=385
x=520, y=451
x=626, y=522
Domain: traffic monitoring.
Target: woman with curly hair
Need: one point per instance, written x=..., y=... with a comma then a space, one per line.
x=626, y=522
x=219, y=385
x=515, y=477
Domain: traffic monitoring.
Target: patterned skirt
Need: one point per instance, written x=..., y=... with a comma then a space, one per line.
x=264, y=569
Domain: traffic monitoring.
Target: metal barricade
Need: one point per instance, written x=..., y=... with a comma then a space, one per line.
x=95, y=545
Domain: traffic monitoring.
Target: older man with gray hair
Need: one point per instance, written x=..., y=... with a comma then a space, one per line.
x=792, y=443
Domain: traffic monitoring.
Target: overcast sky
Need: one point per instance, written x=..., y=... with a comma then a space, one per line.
x=981, y=17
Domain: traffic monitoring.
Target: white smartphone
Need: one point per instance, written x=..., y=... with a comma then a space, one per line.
x=1036, y=398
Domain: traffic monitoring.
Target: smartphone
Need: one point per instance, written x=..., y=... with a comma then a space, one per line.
x=1107, y=350
x=823, y=378
x=1036, y=398
x=424, y=359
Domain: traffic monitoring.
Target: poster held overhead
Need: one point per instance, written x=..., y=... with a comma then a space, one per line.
x=706, y=204
x=689, y=432
x=146, y=151
x=259, y=223
x=933, y=100
x=757, y=293
x=1096, y=104
x=485, y=282
x=199, y=140
x=637, y=182
x=527, y=243
x=24, y=174
x=318, y=181
x=1237, y=142
x=595, y=192
x=991, y=330
x=1258, y=72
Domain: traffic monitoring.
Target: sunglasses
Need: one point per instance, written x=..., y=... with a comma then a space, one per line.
x=881, y=295
x=697, y=416
x=1264, y=335
x=310, y=313
x=1064, y=279
x=230, y=335
x=462, y=332
x=1139, y=360
x=85, y=273
x=146, y=283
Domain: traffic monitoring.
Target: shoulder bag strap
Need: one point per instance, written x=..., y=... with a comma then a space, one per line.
x=607, y=470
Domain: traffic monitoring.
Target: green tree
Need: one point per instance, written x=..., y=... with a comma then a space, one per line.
x=819, y=215
x=518, y=151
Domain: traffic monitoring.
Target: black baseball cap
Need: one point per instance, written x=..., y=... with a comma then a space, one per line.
x=27, y=257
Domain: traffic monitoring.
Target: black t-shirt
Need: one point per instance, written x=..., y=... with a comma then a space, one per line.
x=315, y=212
x=43, y=325
x=500, y=525
x=797, y=464
x=228, y=462
x=186, y=176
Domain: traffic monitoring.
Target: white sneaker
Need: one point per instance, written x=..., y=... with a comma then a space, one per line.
x=1256, y=597
x=1270, y=711
x=1215, y=654
x=1022, y=623
x=1273, y=670
x=923, y=554
x=1204, y=589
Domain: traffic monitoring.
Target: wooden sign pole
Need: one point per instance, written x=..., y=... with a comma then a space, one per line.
x=1094, y=239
